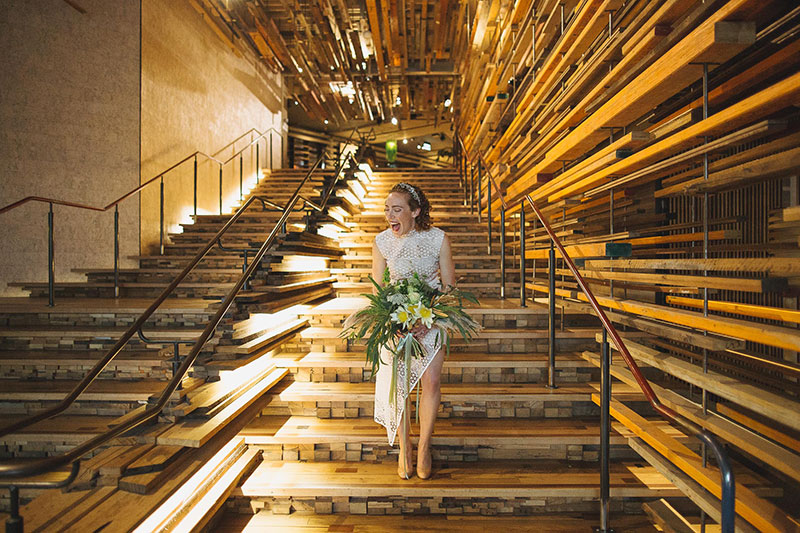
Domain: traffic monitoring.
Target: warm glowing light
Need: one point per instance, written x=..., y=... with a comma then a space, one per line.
x=300, y=70
x=394, y=121
x=405, y=141
x=325, y=121
x=158, y=519
x=303, y=263
x=329, y=230
x=348, y=195
x=447, y=102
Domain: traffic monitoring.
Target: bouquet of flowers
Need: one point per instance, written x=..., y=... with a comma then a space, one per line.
x=396, y=309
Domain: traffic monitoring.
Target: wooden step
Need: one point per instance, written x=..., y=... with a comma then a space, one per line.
x=487, y=333
x=195, y=433
x=265, y=339
x=266, y=522
x=166, y=335
x=116, y=391
x=104, y=305
x=508, y=432
x=453, y=392
x=486, y=479
x=454, y=360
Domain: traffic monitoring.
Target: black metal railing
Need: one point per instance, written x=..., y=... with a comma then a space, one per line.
x=253, y=142
x=728, y=487
x=34, y=467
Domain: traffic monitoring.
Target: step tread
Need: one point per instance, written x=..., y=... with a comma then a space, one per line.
x=23, y=304
x=454, y=359
x=138, y=390
x=510, y=306
x=365, y=391
x=264, y=522
x=155, y=333
x=488, y=333
x=65, y=428
x=276, y=429
x=71, y=357
x=485, y=479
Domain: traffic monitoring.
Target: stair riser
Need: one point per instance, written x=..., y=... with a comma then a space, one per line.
x=379, y=452
x=68, y=370
x=454, y=374
x=474, y=408
x=105, y=320
x=497, y=346
x=72, y=342
x=101, y=408
x=421, y=505
x=214, y=292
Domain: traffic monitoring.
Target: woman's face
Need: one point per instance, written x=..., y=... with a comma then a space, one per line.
x=399, y=214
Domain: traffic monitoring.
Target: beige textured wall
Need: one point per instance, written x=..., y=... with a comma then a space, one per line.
x=69, y=109
x=198, y=95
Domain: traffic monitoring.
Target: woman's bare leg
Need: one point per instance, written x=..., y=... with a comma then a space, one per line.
x=428, y=408
x=405, y=465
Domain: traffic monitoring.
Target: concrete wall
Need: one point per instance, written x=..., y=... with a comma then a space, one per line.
x=198, y=94
x=69, y=109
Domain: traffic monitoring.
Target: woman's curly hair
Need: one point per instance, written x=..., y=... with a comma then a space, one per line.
x=416, y=200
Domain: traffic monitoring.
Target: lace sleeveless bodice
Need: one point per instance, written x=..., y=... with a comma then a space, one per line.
x=416, y=251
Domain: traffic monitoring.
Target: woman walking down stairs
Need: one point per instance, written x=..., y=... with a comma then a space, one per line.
x=274, y=431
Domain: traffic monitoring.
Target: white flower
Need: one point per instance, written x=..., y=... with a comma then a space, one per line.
x=413, y=296
x=402, y=316
x=425, y=315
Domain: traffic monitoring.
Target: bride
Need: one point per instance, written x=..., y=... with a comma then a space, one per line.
x=410, y=245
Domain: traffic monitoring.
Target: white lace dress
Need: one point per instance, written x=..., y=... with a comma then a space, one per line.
x=416, y=251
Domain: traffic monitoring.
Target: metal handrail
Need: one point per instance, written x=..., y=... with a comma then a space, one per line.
x=728, y=487
x=130, y=193
x=38, y=466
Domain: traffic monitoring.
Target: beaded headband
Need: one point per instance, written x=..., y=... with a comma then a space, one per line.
x=410, y=190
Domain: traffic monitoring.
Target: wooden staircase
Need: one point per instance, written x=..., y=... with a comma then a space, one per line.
x=143, y=478
x=505, y=445
x=273, y=429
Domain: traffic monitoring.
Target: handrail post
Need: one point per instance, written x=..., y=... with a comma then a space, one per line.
x=258, y=165
x=502, y=252
x=220, y=188
x=14, y=522
x=51, y=267
x=116, y=251
x=161, y=218
x=472, y=189
x=270, y=151
x=241, y=172
x=605, y=428
x=551, y=322
x=480, y=193
x=522, y=254
x=195, y=186
x=489, y=210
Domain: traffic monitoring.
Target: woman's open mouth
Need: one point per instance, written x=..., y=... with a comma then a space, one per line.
x=395, y=226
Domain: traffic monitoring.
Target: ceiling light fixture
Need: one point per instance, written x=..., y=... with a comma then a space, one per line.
x=394, y=121
x=447, y=103
x=300, y=70
x=325, y=121
x=405, y=141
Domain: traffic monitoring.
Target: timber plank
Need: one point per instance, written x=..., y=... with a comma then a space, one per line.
x=486, y=479
x=755, y=510
x=770, y=405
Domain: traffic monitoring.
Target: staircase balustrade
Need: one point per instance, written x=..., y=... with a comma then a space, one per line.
x=253, y=142
x=17, y=471
x=728, y=496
